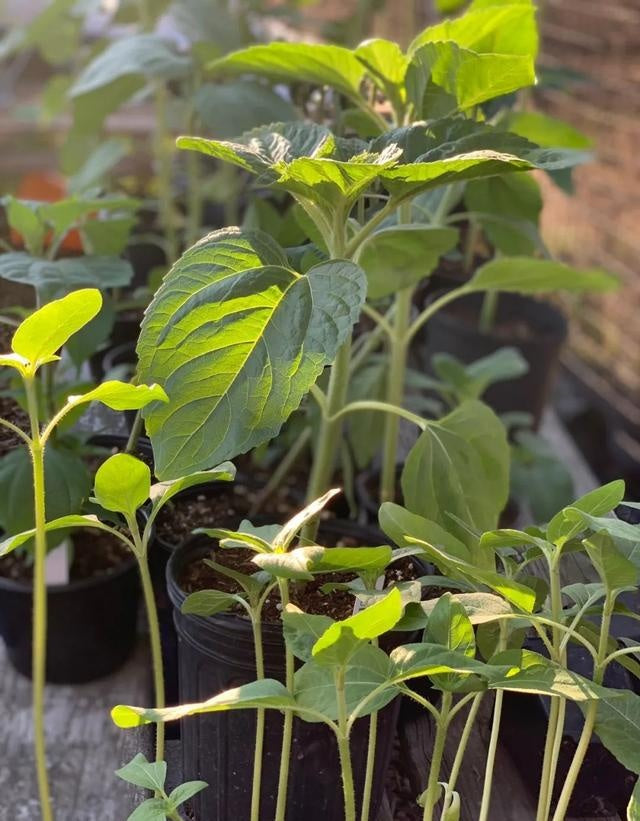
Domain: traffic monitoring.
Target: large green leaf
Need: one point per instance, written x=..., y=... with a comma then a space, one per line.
x=418, y=660
x=316, y=64
x=400, y=257
x=147, y=56
x=402, y=526
x=52, y=278
x=232, y=108
x=302, y=630
x=122, y=484
x=527, y=275
x=259, y=150
x=232, y=326
x=506, y=29
x=460, y=467
x=528, y=672
x=367, y=669
x=614, y=568
x=618, y=727
x=264, y=694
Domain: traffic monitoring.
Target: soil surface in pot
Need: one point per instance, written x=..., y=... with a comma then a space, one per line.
x=9, y=408
x=308, y=595
x=95, y=553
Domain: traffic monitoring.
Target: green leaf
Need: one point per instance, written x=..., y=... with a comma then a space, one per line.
x=450, y=627
x=302, y=630
x=143, y=773
x=460, y=467
x=539, y=478
x=387, y=65
x=145, y=56
x=153, y=809
x=212, y=357
x=63, y=523
x=367, y=669
x=418, y=660
x=266, y=693
x=633, y=810
x=618, y=726
x=162, y=492
x=400, y=257
x=529, y=672
x=316, y=64
x=67, y=481
x=402, y=527
x=251, y=585
x=516, y=201
x=122, y=484
x=469, y=77
x=229, y=109
x=186, y=791
x=339, y=642
x=526, y=275
x=52, y=278
x=259, y=150
x=597, y=502
x=371, y=561
x=616, y=571
x=209, y=602
x=295, y=564
x=24, y=219
x=41, y=335
x=480, y=608
x=547, y=131
x=506, y=29
x=471, y=381
x=99, y=163
x=121, y=395
x=64, y=214
x=289, y=530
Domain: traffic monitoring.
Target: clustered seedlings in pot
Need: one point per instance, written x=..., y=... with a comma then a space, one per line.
x=292, y=344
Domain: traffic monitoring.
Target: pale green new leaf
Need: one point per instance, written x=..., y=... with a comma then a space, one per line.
x=41, y=335
x=266, y=694
x=122, y=484
x=400, y=257
x=232, y=326
x=121, y=395
x=12, y=542
x=316, y=64
x=295, y=564
x=288, y=532
x=527, y=275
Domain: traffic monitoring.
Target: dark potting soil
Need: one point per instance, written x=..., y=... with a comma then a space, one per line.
x=95, y=553
x=308, y=595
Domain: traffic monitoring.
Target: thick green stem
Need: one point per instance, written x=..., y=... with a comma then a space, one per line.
x=442, y=725
x=260, y=720
x=591, y=713
x=491, y=757
x=343, y=748
x=156, y=648
x=287, y=730
x=395, y=391
x=39, y=640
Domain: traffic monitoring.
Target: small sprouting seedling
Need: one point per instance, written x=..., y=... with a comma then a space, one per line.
x=35, y=345
x=152, y=776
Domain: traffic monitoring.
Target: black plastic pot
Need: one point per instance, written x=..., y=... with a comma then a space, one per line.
x=91, y=624
x=604, y=786
x=117, y=443
x=454, y=330
x=217, y=653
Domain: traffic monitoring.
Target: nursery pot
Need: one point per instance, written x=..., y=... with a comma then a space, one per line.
x=537, y=329
x=217, y=653
x=91, y=623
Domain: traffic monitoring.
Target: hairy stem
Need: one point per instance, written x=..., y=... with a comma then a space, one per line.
x=442, y=725
x=464, y=740
x=491, y=757
x=287, y=730
x=369, y=772
x=260, y=718
x=343, y=748
x=156, y=648
x=39, y=640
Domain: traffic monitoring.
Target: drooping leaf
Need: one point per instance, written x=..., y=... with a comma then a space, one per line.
x=121, y=395
x=400, y=257
x=162, y=492
x=459, y=467
x=229, y=109
x=41, y=335
x=317, y=64
x=233, y=325
x=122, y=484
x=63, y=523
x=527, y=275
x=266, y=693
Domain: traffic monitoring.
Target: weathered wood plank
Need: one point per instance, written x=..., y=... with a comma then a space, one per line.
x=84, y=746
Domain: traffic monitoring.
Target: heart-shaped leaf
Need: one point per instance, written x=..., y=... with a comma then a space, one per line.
x=122, y=484
x=234, y=326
